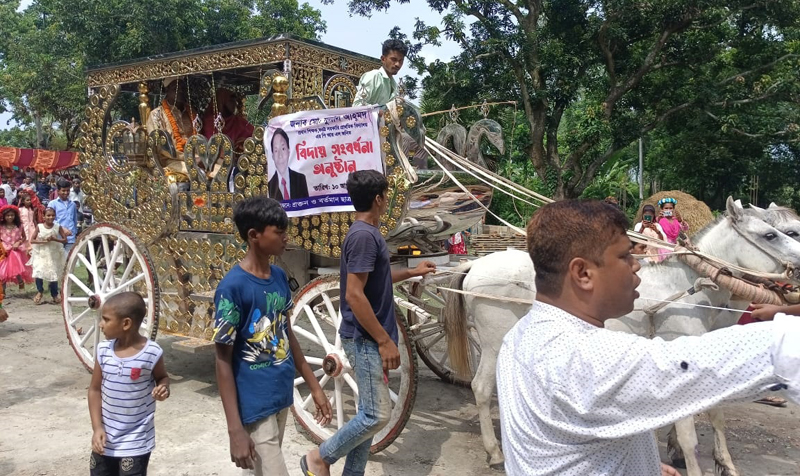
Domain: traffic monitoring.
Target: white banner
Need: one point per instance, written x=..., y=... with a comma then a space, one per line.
x=311, y=153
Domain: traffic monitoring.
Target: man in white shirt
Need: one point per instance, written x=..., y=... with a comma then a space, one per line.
x=10, y=188
x=27, y=184
x=78, y=196
x=577, y=399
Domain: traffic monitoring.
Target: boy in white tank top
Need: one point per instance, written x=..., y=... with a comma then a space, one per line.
x=129, y=376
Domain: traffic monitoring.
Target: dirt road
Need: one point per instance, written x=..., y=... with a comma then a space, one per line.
x=46, y=431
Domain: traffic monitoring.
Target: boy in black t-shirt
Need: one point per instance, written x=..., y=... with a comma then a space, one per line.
x=256, y=351
x=368, y=329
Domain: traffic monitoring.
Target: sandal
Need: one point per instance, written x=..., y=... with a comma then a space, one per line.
x=772, y=401
x=37, y=299
x=304, y=467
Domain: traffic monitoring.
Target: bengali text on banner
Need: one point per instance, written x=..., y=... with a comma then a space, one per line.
x=311, y=153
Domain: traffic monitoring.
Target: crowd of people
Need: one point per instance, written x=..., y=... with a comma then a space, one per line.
x=40, y=216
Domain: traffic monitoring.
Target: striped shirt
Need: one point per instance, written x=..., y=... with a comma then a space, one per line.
x=128, y=404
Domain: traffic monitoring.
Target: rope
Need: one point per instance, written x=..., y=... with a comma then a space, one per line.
x=530, y=301
x=467, y=107
x=500, y=183
x=475, y=199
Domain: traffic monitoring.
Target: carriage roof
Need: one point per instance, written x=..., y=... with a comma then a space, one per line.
x=243, y=61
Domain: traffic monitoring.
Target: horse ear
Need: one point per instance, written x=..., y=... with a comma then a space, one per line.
x=735, y=210
x=772, y=205
x=739, y=203
x=754, y=207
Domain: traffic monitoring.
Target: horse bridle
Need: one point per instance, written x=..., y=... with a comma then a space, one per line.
x=789, y=270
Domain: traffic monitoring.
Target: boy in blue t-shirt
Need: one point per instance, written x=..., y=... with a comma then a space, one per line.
x=256, y=350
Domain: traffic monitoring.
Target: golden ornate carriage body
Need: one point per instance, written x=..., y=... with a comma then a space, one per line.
x=174, y=246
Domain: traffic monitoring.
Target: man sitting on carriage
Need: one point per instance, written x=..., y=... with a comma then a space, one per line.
x=229, y=108
x=175, y=117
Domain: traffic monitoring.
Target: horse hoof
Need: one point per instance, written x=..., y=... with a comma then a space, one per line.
x=679, y=463
x=497, y=466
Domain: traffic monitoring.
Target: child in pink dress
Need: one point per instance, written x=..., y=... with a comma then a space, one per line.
x=670, y=220
x=14, y=268
x=27, y=213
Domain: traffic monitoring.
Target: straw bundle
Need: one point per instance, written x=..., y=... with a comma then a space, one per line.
x=696, y=213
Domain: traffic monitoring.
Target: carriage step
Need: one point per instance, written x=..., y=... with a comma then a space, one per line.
x=193, y=346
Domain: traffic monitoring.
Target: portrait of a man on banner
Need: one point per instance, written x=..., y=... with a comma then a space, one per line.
x=311, y=153
x=285, y=183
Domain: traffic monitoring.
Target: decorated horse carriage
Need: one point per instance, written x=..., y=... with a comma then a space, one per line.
x=163, y=204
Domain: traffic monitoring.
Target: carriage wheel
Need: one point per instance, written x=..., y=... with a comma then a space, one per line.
x=315, y=321
x=429, y=336
x=106, y=260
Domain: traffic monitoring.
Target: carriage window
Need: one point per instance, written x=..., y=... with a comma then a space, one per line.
x=342, y=99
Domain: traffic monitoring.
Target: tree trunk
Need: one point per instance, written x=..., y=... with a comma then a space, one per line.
x=39, y=132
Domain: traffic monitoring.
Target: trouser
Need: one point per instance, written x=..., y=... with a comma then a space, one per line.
x=100, y=465
x=267, y=435
x=53, y=285
x=354, y=439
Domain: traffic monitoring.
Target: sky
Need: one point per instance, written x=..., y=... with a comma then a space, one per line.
x=361, y=34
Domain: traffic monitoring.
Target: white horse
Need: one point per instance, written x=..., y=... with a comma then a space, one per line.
x=741, y=238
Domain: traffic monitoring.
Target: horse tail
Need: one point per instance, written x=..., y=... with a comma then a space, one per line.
x=455, y=325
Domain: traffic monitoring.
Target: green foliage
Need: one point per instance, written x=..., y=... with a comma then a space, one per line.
x=592, y=76
x=18, y=137
x=49, y=44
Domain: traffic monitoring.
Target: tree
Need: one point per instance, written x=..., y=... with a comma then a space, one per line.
x=18, y=137
x=50, y=43
x=594, y=75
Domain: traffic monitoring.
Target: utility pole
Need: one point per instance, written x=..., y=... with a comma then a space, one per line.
x=641, y=169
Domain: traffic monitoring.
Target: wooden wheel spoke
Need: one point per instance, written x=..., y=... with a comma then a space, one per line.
x=77, y=318
x=110, y=263
x=339, y=403
x=352, y=384
x=443, y=359
x=126, y=284
x=301, y=381
x=312, y=318
x=128, y=268
x=94, y=270
x=436, y=331
x=331, y=310
x=314, y=361
x=80, y=284
x=308, y=335
x=431, y=343
x=87, y=334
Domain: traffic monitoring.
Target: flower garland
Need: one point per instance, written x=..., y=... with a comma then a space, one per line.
x=177, y=137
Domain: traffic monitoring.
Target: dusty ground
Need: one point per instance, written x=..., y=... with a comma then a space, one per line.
x=46, y=431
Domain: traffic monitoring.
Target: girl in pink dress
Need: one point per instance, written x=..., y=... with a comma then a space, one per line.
x=670, y=220
x=27, y=213
x=14, y=268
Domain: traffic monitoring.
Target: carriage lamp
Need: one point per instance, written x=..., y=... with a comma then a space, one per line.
x=134, y=142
